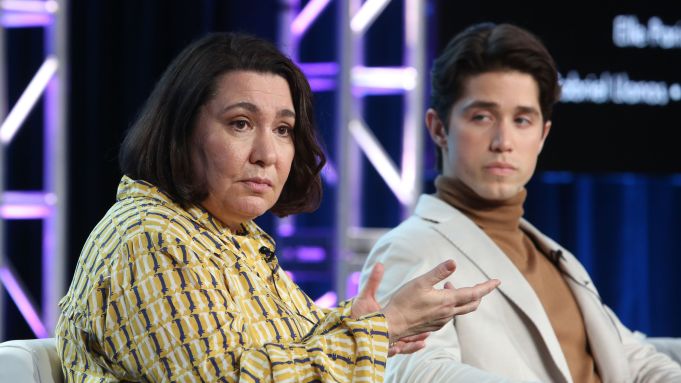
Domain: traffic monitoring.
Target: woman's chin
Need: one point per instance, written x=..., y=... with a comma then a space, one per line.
x=252, y=207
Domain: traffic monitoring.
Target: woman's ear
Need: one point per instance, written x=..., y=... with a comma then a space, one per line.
x=436, y=128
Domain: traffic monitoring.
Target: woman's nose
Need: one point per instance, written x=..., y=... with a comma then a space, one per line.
x=263, y=148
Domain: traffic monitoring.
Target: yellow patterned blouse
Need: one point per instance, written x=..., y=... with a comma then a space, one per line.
x=162, y=293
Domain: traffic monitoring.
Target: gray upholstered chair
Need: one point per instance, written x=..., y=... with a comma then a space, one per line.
x=669, y=346
x=36, y=360
x=30, y=360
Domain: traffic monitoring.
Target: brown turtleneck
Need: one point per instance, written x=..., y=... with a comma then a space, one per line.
x=500, y=220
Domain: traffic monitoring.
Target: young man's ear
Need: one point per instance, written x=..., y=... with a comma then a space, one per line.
x=436, y=128
x=544, y=134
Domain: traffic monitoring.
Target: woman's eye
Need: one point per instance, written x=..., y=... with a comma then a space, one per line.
x=284, y=131
x=239, y=124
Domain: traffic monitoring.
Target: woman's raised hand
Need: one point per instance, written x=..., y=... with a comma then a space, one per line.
x=417, y=307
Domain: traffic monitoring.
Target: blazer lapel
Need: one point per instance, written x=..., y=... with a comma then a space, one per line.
x=604, y=339
x=493, y=263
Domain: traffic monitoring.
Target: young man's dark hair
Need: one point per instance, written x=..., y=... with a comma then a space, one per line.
x=157, y=148
x=488, y=47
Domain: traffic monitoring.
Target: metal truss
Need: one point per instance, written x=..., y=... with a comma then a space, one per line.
x=352, y=80
x=353, y=239
x=48, y=204
x=315, y=248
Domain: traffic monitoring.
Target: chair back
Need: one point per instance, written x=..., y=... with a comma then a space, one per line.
x=30, y=360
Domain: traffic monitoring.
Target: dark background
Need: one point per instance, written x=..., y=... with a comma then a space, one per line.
x=594, y=137
x=608, y=185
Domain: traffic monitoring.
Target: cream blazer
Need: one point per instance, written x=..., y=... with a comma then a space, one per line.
x=509, y=337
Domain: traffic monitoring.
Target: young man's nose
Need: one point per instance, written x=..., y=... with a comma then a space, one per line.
x=501, y=138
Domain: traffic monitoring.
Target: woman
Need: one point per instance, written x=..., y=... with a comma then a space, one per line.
x=177, y=283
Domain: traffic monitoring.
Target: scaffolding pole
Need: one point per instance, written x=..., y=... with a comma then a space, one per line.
x=353, y=239
x=49, y=203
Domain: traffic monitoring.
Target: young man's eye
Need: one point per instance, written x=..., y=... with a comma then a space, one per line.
x=523, y=121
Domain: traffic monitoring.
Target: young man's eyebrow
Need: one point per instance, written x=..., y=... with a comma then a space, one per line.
x=528, y=110
x=481, y=104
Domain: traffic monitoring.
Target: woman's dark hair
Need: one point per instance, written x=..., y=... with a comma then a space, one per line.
x=487, y=47
x=157, y=148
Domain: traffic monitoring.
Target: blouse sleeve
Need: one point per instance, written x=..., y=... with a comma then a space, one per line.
x=165, y=316
x=339, y=349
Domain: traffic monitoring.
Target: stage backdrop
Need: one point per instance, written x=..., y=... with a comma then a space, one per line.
x=608, y=186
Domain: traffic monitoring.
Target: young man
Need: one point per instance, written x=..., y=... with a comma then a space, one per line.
x=492, y=93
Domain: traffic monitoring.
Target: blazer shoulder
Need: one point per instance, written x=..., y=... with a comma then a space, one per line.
x=408, y=232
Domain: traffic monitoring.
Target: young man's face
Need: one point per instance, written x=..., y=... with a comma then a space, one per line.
x=494, y=134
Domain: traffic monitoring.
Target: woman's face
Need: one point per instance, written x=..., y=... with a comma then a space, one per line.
x=243, y=145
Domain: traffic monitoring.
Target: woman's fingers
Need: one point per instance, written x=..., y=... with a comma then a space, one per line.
x=409, y=344
x=467, y=308
x=464, y=295
x=437, y=274
x=374, y=280
x=484, y=288
x=418, y=306
x=409, y=347
x=417, y=337
x=458, y=302
x=365, y=302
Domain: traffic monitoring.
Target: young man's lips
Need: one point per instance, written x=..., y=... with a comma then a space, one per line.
x=500, y=168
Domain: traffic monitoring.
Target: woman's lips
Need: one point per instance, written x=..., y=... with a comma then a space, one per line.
x=257, y=184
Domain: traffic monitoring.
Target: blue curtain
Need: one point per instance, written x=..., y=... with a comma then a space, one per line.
x=625, y=228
